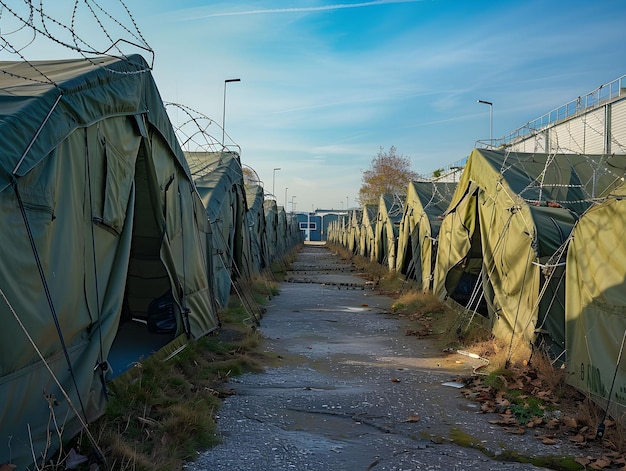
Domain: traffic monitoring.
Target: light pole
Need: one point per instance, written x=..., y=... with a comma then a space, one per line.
x=490, y=119
x=286, y=198
x=347, y=204
x=274, y=181
x=224, y=108
x=292, y=203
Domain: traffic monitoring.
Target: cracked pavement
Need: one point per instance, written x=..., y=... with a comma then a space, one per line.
x=350, y=391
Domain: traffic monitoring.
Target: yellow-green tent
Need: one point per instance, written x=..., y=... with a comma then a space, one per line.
x=424, y=207
x=390, y=209
x=353, y=230
x=367, y=239
x=503, y=237
x=595, y=308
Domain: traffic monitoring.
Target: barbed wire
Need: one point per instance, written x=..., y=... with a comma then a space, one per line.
x=29, y=27
x=196, y=136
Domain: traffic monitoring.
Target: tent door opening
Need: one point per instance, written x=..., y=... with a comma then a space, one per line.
x=463, y=279
x=149, y=315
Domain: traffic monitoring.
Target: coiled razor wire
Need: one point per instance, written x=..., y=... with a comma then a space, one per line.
x=26, y=26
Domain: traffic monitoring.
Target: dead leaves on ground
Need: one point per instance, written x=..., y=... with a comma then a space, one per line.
x=611, y=460
x=525, y=390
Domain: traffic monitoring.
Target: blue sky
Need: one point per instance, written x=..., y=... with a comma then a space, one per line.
x=325, y=84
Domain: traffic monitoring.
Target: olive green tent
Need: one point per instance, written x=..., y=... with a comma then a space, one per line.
x=295, y=235
x=100, y=219
x=387, y=228
x=424, y=207
x=595, y=308
x=288, y=232
x=503, y=237
x=219, y=180
x=256, y=226
x=270, y=210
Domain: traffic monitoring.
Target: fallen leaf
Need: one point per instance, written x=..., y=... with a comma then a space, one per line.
x=582, y=461
x=508, y=419
x=515, y=430
x=412, y=418
x=600, y=464
x=548, y=441
x=395, y=380
x=552, y=423
x=577, y=439
x=569, y=422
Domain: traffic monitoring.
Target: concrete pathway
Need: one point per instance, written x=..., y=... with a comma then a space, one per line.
x=351, y=391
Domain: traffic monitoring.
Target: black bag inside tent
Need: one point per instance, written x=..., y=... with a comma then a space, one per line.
x=161, y=316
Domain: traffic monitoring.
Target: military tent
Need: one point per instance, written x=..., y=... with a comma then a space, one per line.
x=343, y=229
x=390, y=210
x=270, y=210
x=295, y=234
x=256, y=227
x=335, y=233
x=595, y=308
x=102, y=227
x=504, y=235
x=219, y=180
x=425, y=204
x=289, y=233
x=367, y=239
x=354, y=230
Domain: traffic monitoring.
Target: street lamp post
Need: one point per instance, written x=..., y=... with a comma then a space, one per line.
x=274, y=181
x=490, y=119
x=347, y=204
x=224, y=108
x=292, y=203
x=286, y=198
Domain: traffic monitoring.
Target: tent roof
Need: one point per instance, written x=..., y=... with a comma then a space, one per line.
x=254, y=196
x=391, y=205
x=35, y=95
x=434, y=197
x=370, y=213
x=219, y=171
x=571, y=181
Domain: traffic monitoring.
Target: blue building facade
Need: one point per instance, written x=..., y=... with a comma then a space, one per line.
x=315, y=225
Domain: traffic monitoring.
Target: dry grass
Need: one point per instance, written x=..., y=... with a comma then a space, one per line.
x=162, y=411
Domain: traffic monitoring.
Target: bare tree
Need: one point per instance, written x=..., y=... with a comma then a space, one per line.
x=390, y=173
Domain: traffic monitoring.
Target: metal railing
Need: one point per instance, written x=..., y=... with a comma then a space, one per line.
x=447, y=172
x=598, y=97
